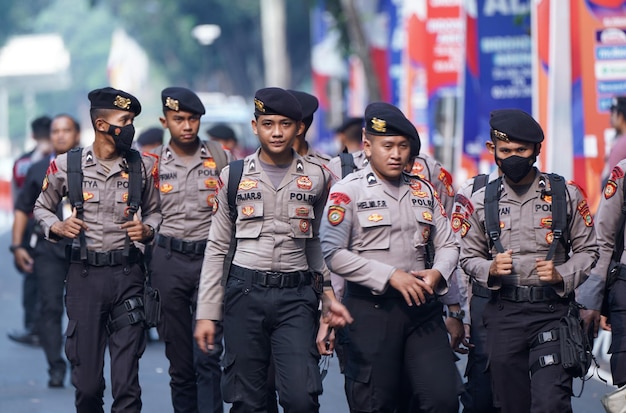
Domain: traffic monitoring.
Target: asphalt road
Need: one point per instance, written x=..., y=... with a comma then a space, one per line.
x=23, y=377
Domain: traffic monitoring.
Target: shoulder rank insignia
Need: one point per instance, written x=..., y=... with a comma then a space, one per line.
x=299, y=166
x=371, y=179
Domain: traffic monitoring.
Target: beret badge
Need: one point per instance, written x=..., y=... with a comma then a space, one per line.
x=501, y=135
x=172, y=104
x=122, y=102
x=260, y=106
x=379, y=125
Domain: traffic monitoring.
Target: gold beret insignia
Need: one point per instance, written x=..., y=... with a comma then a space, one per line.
x=122, y=102
x=260, y=106
x=501, y=135
x=171, y=103
x=379, y=125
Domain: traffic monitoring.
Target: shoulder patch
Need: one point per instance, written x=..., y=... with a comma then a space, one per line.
x=52, y=168
x=616, y=173
x=610, y=189
x=446, y=179
x=336, y=214
x=45, y=183
x=583, y=210
x=339, y=198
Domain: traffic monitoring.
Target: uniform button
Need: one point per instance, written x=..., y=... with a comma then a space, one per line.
x=551, y=307
x=376, y=305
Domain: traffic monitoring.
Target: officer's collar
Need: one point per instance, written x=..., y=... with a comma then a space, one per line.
x=297, y=166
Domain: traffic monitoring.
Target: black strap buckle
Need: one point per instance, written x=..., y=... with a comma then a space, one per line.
x=548, y=360
x=547, y=336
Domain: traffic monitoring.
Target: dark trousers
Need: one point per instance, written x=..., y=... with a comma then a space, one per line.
x=511, y=329
x=91, y=293
x=389, y=342
x=263, y=322
x=30, y=302
x=51, y=268
x=194, y=375
x=478, y=397
x=617, y=318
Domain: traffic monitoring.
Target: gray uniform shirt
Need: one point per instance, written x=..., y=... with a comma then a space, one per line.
x=525, y=222
x=276, y=228
x=591, y=292
x=105, y=199
x=369, y=231
x=187, y=192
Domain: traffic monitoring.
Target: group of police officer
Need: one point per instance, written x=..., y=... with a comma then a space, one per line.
x=244, y=252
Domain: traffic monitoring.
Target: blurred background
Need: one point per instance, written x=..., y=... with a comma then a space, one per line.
x=445, y=63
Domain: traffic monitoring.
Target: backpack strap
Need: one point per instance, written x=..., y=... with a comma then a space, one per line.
x=234, y=177
x=618, y=248
x=75, y=192
x=347, y=164
x=559, y=214
x=480, y=181
x=218, y=153
x=492, y=213
x=133, y=159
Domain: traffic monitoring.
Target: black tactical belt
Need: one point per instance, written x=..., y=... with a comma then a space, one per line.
x=271, y=278
x=531, y=294
x=357, y=290
x=179, y=245
x=106, y=258
x=480, y=291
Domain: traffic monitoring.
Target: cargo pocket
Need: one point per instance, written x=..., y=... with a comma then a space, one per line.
x=231, y=391
x=71, y=346
x=358, y=390
x=375, y=229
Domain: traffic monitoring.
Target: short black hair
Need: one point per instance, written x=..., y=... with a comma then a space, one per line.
x=40, y=127
x=71, y=118
x=96, y=113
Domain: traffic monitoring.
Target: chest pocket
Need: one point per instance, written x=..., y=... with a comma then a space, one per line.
x=121, y=205
x=91, y=198
x=424, y=218
x=375, y=226
x=249, y=219
x=206, y=193
x=300, y=218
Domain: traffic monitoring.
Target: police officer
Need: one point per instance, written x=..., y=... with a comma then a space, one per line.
x=21, y=243
x=48, y=260
x=531, y=291
x=478, y=396
x=188, y=173
x=272, y=292
x=376, y=224
x=594, y=291
x=309, y=105
x=105, y=280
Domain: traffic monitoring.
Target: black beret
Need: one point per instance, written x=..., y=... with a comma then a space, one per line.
x=387, y=120
x=222, y=131
x=349, y=122
x=150, y=136
x=618, y=102
x=309, y=104
x=515, y=124
x=109, y=98
x=277, y=101
x=179, y=98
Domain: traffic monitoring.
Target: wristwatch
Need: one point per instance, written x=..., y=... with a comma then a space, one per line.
x=459, y=315
x=12, y=248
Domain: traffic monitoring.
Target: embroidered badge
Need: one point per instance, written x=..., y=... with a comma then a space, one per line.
x=155, y=174
x=446, y=178
x=617, y=173
x=415, y=184
x=426, y=234
x=427, y=216
x=209, y=163
x=165, y=188
x=417, y=167
x=336, y=214
x=456, y=221
x=124, y=175
x=304, y=183
x=247, y=184
x=248, y=210
x=583, y=210
x=210, y=200
x=502, y=225
x=546, y=222
x=125, y=197
x=375, y=217
x=465, y=227
x=302, y=212
x=52, y=168
x=215, y=207
x=127, y=211
x=87, y=196
x=45, y=183
x=339, y=198
x=304, y=225
x=210, y=183
x=610, y=189
x=420, y=194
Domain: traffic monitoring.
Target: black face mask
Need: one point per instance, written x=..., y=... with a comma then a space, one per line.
x=123, y=136
x=516, y=167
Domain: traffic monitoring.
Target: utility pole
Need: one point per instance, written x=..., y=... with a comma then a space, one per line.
x=273, y=34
